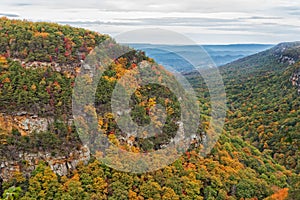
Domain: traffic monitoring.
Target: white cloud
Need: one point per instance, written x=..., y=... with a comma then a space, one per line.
x=206, y=21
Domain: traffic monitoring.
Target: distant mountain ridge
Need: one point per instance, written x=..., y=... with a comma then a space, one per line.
x=169, y=55
x=275, y=58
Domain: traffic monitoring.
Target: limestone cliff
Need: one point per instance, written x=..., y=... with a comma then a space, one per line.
x=24, y=122
x=295, y=79
x=26, y=162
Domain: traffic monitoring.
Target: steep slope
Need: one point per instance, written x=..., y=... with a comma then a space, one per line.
x=264, y=101
x=36, y=83
x=276, y=58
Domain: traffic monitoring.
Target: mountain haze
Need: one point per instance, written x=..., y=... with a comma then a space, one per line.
x=170, y=55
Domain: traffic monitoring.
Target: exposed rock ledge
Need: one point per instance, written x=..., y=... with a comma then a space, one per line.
x=24, y=122
x=295, y=79
x=27, y=162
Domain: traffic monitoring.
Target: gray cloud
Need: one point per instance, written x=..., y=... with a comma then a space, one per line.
x=296, y=13
x=204, y=6
x=259, y=17
x=221, y=24
x=165, y=21
x=260, y=30
x=9, y=15
x=21, y=4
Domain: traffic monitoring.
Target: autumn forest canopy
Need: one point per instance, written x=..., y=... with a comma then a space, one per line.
x=256, y=156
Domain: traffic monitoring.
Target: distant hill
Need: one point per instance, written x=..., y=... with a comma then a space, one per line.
x=275, y=58
x=167, y=55
x=263, y=100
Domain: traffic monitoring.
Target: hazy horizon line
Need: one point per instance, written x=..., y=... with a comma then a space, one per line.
x=198, y=44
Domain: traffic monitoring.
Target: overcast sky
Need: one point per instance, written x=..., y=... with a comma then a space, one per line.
x=204, y=21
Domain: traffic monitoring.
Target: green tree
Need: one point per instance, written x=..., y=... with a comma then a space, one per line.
x=12, y=193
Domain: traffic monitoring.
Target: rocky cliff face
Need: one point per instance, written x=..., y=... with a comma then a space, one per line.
x=71, y=69
x=24, y=122
x=287, y=52
x=26, y=162
x=295, y=79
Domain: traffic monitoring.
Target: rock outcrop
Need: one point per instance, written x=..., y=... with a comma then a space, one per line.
x=24, y=122
x=72, y=69
x=27, y=162
x=295, y=79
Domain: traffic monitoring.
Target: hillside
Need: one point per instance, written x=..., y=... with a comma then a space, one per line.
x=263, y=101
x=276, y=58
x=265, y=104
x=43, y=158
